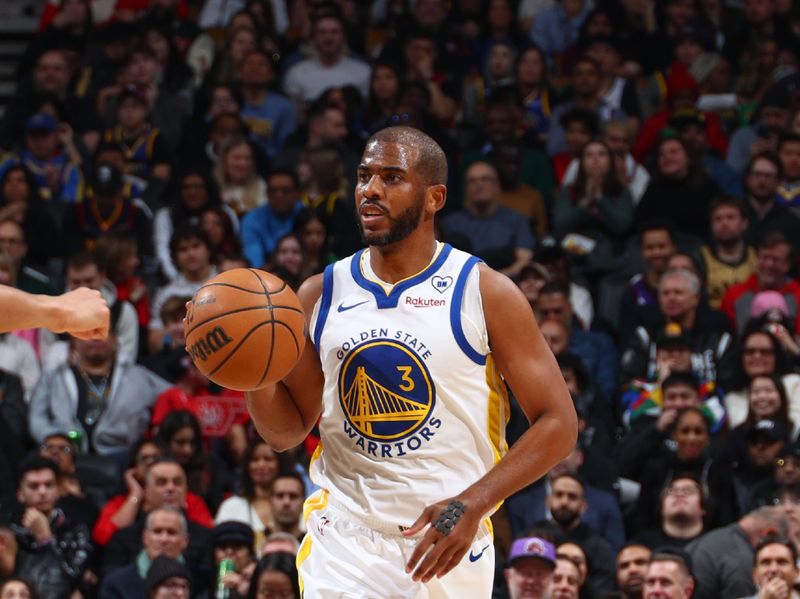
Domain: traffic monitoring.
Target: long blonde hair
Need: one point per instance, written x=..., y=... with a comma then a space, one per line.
x=251, y=186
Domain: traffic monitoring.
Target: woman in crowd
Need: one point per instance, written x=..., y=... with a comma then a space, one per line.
x=691, y=438
x=260, y=465
x=179, y=436
x=767, y=401
x=761, y=355
x=680, y=190
x=288, y=258
x=597, y=207
x=310, y=229
x=218, y=224
x=384, y=91
x=16, y=588
x=194, y=193
x=241, y=187
x=275, y=576
x=118, y=255
x=533, y=87
x=20, y=202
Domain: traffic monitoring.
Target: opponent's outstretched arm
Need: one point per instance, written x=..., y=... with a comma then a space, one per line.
x=530, y=369
x=82, y=313
x=284, y=412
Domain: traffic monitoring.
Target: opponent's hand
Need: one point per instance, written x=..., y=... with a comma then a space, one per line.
x=444, y=552
x=84, y=314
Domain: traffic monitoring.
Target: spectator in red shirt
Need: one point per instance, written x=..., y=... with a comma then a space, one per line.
x=146, y=490
x=773, y=262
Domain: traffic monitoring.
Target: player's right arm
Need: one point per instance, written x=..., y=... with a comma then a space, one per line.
x=285, y=412
x=82, y=313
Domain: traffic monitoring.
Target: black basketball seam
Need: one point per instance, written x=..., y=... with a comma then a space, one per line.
x=272, y=322
x=207, y=320
x=232, y=286
x=236, y=347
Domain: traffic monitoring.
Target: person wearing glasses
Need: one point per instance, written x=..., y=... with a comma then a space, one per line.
x=764, y=213
x=72, y=497
x=682, y=512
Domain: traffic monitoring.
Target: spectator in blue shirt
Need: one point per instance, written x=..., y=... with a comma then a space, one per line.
x=558, y=27
x=498, y=235
x=265, y=225
x=269, y=115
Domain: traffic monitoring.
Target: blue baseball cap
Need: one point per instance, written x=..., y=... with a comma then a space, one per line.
x=533, y=547
x=41, y=121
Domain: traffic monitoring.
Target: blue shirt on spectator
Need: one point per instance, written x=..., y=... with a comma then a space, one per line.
x=492, y=238
x=554, y=31
x=261, y=230
x=270, y=122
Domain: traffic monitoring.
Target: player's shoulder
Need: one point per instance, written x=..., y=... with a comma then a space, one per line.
x=498, y=291
x=310, y=292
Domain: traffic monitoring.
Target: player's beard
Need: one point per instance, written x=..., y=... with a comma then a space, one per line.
x=400, y=226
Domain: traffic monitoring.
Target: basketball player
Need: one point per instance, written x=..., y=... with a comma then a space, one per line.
x=82, y=313
x=411, y=342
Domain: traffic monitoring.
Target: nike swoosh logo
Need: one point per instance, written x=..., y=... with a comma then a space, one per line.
x=342, y=308
x=475, y=558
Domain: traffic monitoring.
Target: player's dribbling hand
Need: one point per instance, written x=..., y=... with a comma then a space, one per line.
x=85, y=314
x=443, y=552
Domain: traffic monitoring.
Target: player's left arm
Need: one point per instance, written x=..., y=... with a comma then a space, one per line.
x=529, y=367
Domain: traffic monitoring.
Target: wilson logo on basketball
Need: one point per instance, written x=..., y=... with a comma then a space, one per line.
x=213, y=341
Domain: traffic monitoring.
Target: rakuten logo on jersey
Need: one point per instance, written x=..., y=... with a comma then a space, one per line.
x=425, y=302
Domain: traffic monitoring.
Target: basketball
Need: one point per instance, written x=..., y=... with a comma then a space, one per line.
x=245, y=328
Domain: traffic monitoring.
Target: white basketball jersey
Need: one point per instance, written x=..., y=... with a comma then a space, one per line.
x=414, y=409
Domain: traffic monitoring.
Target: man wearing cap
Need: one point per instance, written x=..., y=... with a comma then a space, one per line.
x=775, y=569
x=148, y=154
x=233, y=540
x=531, y=563
x=754, y=461
x=47, y=154
x=786, y=474
x=105, y=210
x=167, y=578
x=165, y=534
x=773, y=263
x=679, y=303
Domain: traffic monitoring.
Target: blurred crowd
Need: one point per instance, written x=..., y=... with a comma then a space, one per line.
x=633, y=165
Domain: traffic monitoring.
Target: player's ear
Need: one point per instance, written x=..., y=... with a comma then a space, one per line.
x=435, y=197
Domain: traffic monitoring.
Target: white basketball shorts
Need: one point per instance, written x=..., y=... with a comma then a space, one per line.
x=343, y=556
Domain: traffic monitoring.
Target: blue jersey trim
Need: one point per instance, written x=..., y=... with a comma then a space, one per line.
x=325, y=304
x=384, y=300
x=455, y=313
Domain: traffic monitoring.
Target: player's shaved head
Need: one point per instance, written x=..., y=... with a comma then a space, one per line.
x=431, y=162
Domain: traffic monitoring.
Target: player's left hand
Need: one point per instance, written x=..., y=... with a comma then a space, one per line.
x=443, y=552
